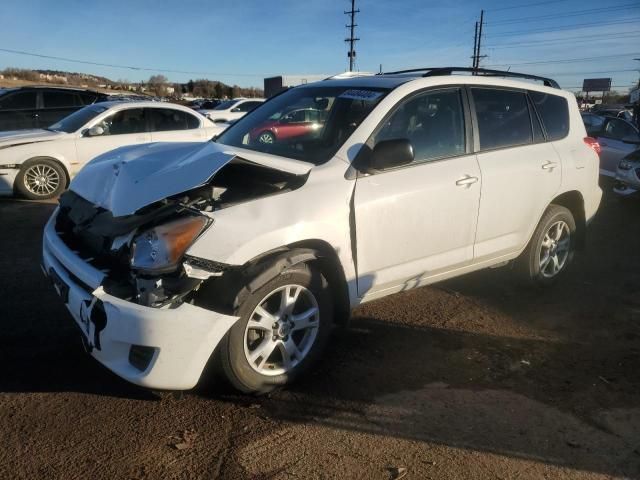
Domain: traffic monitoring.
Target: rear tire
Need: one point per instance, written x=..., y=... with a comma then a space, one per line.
x=41, y=179
x=551, y=248
x=272, y=344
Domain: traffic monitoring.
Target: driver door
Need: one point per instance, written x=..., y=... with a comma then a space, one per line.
x=419, y=220
x=125, y=127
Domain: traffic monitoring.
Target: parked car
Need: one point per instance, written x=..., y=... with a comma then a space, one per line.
x=616, y=111
x=298, y=123
x=38, y=164
x=615, y=137
x=231, y=110
x=168, y=255
x=37, y=107
x=628, y=173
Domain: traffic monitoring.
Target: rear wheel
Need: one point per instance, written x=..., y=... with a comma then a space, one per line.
x=283, y=327
x=551, y=248
x=41, y=179
x=266, y=137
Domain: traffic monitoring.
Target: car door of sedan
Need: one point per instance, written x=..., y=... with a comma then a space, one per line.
x=613, y=149
x=124, y=127
x=173, y=125
x=416, y=221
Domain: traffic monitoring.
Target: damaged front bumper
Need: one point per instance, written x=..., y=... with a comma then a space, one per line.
x=163, y=348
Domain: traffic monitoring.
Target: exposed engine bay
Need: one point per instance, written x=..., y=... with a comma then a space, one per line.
x=127, y=248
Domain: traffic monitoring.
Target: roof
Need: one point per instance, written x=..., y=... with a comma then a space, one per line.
x=140, y=104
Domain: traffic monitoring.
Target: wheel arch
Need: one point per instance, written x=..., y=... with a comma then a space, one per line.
x=574, y=202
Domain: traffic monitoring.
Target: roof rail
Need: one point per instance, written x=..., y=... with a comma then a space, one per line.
x=432, y=72
x=349, y=75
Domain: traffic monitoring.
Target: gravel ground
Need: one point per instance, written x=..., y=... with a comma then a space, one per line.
x=471, y=378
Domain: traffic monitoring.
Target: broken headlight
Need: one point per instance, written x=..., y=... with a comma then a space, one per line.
x=159, y=249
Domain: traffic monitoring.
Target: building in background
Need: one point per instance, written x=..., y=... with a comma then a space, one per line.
x=274, y=85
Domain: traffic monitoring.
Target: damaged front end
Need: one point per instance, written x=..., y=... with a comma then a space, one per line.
x=127, y=280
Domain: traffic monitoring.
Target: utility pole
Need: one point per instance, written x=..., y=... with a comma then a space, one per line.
x=352, y=40
x=475, y=47
x=477, y=42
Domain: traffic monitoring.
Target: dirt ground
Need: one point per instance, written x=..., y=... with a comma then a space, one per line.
x=472, y=378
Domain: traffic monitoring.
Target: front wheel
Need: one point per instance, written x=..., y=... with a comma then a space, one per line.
x=41, y=179
x=283, y=327
x=551, y=248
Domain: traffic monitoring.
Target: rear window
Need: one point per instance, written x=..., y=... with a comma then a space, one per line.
x=554, y=112
x=19, y=101
x=60, y=99
x=167, y=119
x=503, y=118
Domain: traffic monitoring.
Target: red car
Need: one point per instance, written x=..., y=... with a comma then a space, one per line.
x=297, y=123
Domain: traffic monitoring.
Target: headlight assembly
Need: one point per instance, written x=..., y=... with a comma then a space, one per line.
x=159, y=249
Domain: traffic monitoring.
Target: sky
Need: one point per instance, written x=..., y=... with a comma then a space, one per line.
x=242, y=41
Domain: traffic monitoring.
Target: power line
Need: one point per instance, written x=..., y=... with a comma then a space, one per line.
x=566, y=74
x=130, y=67
x=564, y=60
x=524, y=5
x=564, y=15
x=562, y=40
x=565, y=27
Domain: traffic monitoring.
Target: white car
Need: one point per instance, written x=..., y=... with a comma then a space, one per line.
x=231, y=110
x=39, y=164
x=249, y=252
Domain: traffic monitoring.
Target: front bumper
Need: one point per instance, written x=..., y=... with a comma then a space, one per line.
x=627, y=181
x=182, y=338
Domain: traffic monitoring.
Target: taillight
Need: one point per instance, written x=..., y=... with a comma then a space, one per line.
x=593, y=143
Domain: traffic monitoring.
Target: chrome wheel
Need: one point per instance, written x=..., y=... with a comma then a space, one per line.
x=555, y=249
x=41, y=179
x=266, y=137
x=281, y=330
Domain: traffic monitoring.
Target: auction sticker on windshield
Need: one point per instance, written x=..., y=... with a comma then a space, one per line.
x=365, y=95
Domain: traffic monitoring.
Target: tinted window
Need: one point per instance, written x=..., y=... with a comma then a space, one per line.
x=248, y=106
x=432, y=122
x=226, y=105
x=554, y=112
x=124, y=122
x=165, y=119
x=19, y=100
x=503, y=118
x=77, y=120
x=59, y=99
x=618, y=129
x=88, y=98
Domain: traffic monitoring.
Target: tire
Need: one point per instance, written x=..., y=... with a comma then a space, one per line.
x=41, y=179
x=242, y=343
x=551, y=248
x=267, y=137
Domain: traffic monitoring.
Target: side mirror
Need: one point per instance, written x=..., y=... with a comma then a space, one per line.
x=632, y=139
x=391, y=153
x=95, y=131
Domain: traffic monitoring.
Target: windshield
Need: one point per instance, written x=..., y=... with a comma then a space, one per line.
x=225, y=105
x=78, y=119
x=308, y=124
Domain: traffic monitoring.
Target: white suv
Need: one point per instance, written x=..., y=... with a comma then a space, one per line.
x=251, y=251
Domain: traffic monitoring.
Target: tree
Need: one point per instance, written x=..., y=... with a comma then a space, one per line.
x=158, y=84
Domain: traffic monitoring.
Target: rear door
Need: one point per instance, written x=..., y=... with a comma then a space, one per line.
x=18, y=110
x=124, y=127
x=173, y=125
x=521, y=172
x=613, y=149
x=56, y=105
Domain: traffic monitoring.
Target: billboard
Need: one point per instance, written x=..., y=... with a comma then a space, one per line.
x=596, y=85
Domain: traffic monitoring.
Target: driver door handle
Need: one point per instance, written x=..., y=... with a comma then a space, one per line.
x=549, y=165
x=466, y=181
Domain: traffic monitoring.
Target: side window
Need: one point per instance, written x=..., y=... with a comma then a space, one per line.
x=88, y=98
x=19, y=101
x=248, y=106
x=503, y=118
x=297, y=116
x=433, y=123
x=618, y=129
x=554, y=112
x=60, y=99
x=167, y=119
x=124, y=122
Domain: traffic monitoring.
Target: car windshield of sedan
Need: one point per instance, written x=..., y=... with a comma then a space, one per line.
x=308, y=123
x=78, y=119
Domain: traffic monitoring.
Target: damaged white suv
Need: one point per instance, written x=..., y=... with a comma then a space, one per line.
x=250, y=248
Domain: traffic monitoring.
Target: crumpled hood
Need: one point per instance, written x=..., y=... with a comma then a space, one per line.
x=128, y=178
x=18, y=137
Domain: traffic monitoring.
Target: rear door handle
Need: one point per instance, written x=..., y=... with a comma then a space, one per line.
x=549, y=165
x=466, y=181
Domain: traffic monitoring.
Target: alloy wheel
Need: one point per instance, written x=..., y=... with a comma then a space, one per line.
x=555, y=249
x=41, y=179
